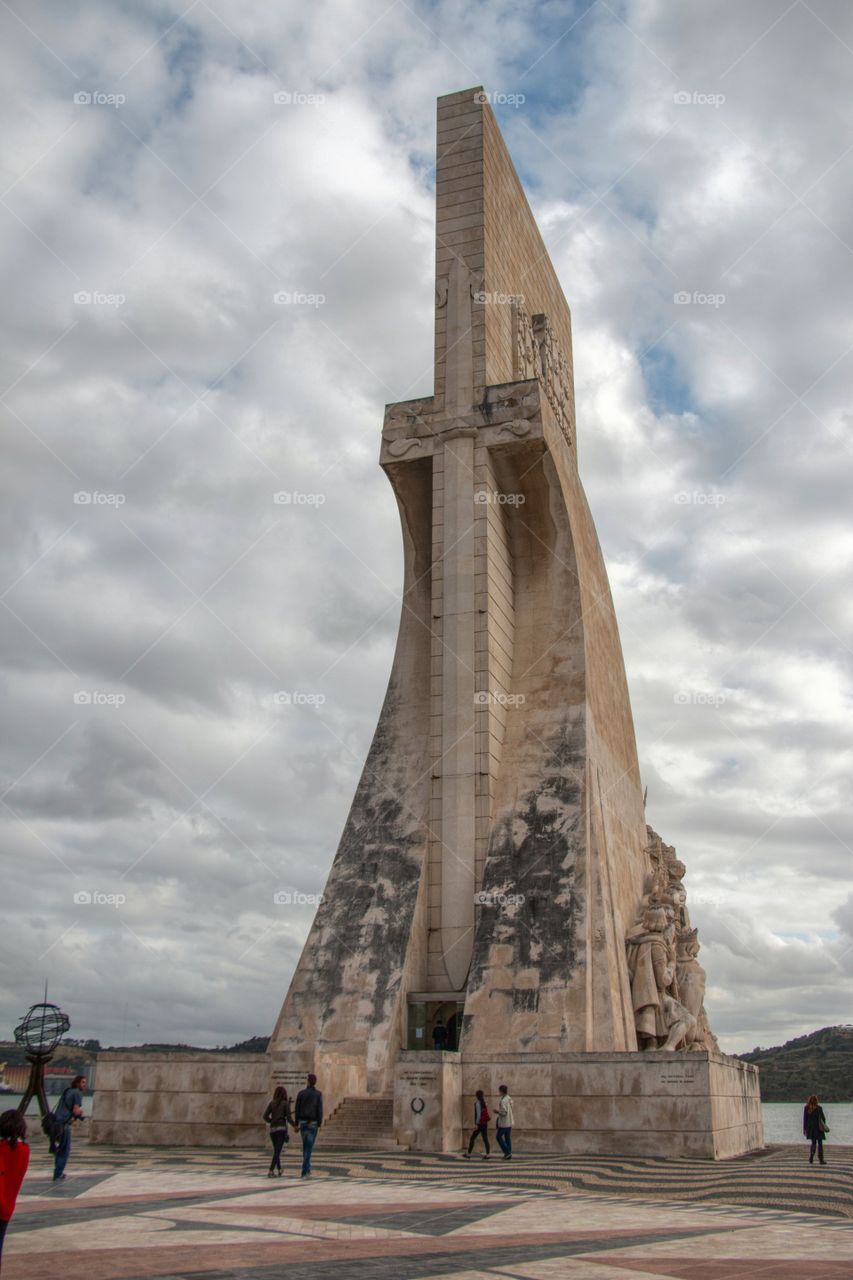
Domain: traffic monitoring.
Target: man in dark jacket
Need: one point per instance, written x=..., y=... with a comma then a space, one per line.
x=68, y=1111
x=309, y=1117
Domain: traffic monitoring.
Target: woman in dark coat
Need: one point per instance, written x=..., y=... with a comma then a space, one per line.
x=278, y=1116
x=814, y=1127
x=482, y=1117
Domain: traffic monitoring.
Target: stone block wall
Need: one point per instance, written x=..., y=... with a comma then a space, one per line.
x=180, y=1100
x=703, y=1105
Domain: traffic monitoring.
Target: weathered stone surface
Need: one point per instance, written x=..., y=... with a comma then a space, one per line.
x=496, y=854
x=501, y=799
x=180, y=1099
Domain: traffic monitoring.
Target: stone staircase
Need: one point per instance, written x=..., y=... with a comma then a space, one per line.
x=361, y=1124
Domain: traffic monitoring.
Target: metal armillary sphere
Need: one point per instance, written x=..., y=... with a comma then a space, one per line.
x=39, y=1032
x=42, y=1029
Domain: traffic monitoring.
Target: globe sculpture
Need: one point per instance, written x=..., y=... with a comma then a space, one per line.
x=38, y=1033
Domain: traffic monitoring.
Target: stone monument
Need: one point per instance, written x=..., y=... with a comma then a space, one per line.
x=496, y=875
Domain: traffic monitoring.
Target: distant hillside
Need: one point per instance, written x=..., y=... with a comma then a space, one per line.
x=821, y=1063
x=80, y=1054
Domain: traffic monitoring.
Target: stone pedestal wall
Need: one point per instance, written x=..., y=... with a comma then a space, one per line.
x=180, y=1100
x=633, y=1104
x=427, y=1093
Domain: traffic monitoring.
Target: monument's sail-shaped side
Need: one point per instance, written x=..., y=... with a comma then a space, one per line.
x=495, y=883
x=494, y=854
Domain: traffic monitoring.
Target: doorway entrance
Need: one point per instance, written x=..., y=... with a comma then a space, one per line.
x=425, y=1011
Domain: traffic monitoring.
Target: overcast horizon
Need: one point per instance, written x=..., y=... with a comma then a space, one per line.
x=191, y=670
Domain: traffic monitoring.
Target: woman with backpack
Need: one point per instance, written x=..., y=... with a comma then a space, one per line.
x=482, y=1116
x=815, y=1127
x=278, y=1116
x=14, y=1158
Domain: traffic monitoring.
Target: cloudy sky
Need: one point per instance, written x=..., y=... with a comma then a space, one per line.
x=156, y=198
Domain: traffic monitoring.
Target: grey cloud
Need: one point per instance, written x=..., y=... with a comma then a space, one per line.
x=336, y=198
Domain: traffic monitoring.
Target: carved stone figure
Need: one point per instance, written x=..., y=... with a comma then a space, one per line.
x=662, y=1021
x=691, y=989
x=662, y=947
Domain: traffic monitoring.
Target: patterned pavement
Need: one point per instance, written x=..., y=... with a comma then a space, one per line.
x=133, y=1213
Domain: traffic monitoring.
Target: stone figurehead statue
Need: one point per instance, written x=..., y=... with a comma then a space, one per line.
x=662, y=1022
x=691, y=990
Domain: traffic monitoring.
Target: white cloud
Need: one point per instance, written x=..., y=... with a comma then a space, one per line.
x=198, y=398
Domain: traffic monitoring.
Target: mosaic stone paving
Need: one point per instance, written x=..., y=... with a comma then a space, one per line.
x=134, y=1213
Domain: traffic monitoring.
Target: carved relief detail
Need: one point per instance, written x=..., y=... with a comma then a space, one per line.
x=536, y=354
x=667, y=980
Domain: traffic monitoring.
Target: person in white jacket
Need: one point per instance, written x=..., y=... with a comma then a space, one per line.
x=504, y=1120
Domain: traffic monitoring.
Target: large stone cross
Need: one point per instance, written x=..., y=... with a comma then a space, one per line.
x=458, y=430
x=472, y=604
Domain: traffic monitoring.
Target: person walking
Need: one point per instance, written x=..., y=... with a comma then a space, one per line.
x=14, y=1159
x=69, y=1111
x=815, y=1127
x=439, y=1035
x=482, y=1116
x=278, y=1116
x=309, y=1117
x=503, y=1131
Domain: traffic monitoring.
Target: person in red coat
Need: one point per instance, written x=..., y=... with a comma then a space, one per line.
x=14, y=1158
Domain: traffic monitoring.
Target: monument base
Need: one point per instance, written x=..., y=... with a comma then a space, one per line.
x=180, y=1099
x=705, y=1105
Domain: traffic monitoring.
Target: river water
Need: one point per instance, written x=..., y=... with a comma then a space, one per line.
x=783, y=1121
